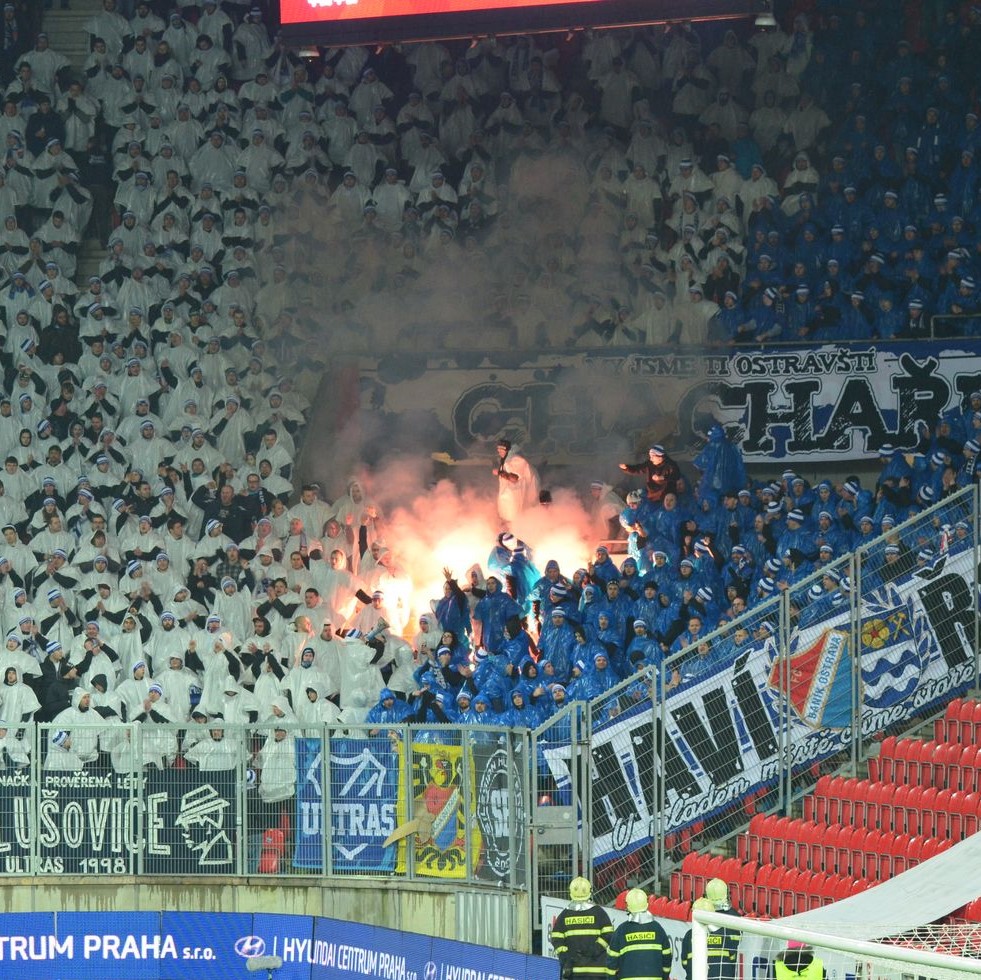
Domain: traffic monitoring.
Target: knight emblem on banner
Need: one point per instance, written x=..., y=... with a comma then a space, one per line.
x=433, y=813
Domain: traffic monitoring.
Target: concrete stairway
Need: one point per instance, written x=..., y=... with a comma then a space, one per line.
x=67, y=35
x=66, y=29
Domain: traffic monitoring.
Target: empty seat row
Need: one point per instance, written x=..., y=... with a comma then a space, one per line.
x=945, y=765
x=857, y=852
x=961, y=723
x=902, y=809
x=762, y=890
x=971, y=911
x=768, y=890
x=696, y=869
x=787, y=891
x=667, y=908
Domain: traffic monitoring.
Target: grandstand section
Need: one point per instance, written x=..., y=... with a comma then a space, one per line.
x=420, y=462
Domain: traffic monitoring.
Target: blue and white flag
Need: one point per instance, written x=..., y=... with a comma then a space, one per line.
x=363, y=776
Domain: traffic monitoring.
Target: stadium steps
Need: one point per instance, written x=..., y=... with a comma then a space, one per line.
x=922, y=797
x=66, y=30
x=90, y=255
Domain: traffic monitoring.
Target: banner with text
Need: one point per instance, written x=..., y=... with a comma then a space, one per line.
x=180, y=821
x=834, y=402
x=364, y=779
x=500, y=812
x=720, y=737
x=215, y=946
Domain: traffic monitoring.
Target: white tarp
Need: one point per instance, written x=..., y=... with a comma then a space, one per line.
x=917, y=897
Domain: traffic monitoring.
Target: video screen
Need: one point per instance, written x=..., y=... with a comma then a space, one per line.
x=345, y=22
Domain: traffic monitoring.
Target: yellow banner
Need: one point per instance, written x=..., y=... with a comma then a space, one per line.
x=438, y=811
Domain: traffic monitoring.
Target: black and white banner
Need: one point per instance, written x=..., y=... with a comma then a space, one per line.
x=182, y=821
x=720, y=737
x=500, y=812
x=836, y=402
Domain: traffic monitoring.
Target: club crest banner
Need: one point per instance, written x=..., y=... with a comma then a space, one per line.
x=440, y=802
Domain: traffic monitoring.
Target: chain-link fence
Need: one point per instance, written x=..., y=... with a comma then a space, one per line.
x=438, y=802
x=707, y=732
x=747, y=718
x=560, y=800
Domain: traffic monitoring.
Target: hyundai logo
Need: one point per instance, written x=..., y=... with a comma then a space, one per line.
x=430, y=971
x=249, y=946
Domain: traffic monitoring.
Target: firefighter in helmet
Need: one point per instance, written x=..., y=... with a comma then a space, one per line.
x=580, y=934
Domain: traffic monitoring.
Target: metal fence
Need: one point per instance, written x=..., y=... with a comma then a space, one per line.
x=742, y=720
x=147, y=799
x=753, y=713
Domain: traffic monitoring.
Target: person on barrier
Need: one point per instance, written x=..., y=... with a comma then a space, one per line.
x=798, y=962
x=580, y=932
x=639, y=948
x=660, y=471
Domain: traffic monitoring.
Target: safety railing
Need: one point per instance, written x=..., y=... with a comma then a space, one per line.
x=742, y=720
x=944, y=326
x=433, y=803
x=746, y=718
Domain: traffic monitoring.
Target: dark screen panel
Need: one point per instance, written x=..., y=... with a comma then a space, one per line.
x=375, y=21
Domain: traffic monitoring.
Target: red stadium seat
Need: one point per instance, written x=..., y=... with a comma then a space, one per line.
x=966, y=722
x=903, y=811
x=955, y=817
x=749, y=843
x=760, y=889
x=974, y=719
x=969, y=769
x=837, y=786
x=771, y=844
x=811, y=805
x=950, y=723
x=942, y=812
x=797, y=889
x=927, y=806
x=885, y=794
x=846, y=861
x=920, y=758
x=969, y=813
x=861, y=791
x=905, y=771
x=887, y=760
x=775, y=890
x=810, y=847
x=880, y=814
x=849, y=788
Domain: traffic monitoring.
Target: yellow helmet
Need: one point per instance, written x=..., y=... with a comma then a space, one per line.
x=717, y=892
x=703, y=905
x=636, y=900
x=580, y=889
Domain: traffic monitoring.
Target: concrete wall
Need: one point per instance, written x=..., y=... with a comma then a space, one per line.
x=439, y=911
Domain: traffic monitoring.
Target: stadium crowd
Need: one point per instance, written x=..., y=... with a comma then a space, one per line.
x=259, y=212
